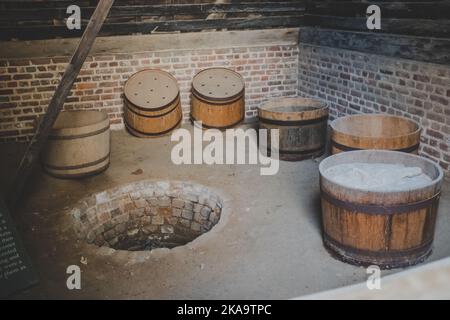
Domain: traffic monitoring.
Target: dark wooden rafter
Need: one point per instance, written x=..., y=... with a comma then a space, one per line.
x=153, y=10
x=31, y=155
x=159, y=26
x=130, y=17
x=417, y=30
x=414, y=48
x=421, y=27
x=413, y=18
x=415, y=27
x=390, y=9
x=19, y=19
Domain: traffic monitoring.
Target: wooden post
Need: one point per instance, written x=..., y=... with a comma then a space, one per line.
x=31, y=155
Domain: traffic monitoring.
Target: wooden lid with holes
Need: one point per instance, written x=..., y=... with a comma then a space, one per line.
x=218, y=85
x=151, y=89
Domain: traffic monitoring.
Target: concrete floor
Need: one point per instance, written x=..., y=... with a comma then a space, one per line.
x=428, y=281
x=267, y=245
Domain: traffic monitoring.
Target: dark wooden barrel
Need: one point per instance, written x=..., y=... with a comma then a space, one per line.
x=152, y=103
x=78, y=144
x=302, y=125
x=218, y=98
x=388, y=229
x=375, y=131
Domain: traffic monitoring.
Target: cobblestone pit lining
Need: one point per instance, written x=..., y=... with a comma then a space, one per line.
x=146, y=215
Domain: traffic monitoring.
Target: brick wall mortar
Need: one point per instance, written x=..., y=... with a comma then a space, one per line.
x=353, y=83
x=27, y=85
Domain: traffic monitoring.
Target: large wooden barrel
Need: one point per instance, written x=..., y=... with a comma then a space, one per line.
x=218, y=98
x=78, y=145
x=152, y=103
x=366, y=226
x=375, y=131
x=302, y=125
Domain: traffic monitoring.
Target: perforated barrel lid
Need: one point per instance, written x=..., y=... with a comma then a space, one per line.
x=151, y=89
x=218, y=84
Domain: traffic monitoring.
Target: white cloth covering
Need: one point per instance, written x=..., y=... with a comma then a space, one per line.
x=378, y=176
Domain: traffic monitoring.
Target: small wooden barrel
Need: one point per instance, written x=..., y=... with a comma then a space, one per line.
x=375, y=131
x=78, y=144
x=218, y=98
x=388, y=229
x=152, y=103
x=302, y=125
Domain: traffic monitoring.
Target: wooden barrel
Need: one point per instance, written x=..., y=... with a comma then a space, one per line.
x=386, y=228
x=78, y=145
x=218, y=98
x=152, y=103
x=302, y=125
x=375, y=131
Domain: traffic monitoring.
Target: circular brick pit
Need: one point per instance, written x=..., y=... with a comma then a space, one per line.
x=146, y=215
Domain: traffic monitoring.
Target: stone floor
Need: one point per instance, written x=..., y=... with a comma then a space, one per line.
x=267, y=244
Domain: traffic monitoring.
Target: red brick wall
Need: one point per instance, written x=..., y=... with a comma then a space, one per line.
x=26, y=86
x=349, y=82
x=352, y=82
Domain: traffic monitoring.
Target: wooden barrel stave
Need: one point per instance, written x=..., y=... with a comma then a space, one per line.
x=302, y=134
x=152, y=104
x=219, y=116
x=390, y=230
x=298, y=143
x=389, y=241
x=218, y=102
x=146, y=124
x=375, y=131
x=75, y=150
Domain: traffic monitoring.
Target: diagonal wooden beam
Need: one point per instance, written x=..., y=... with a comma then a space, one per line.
x=31, y=156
